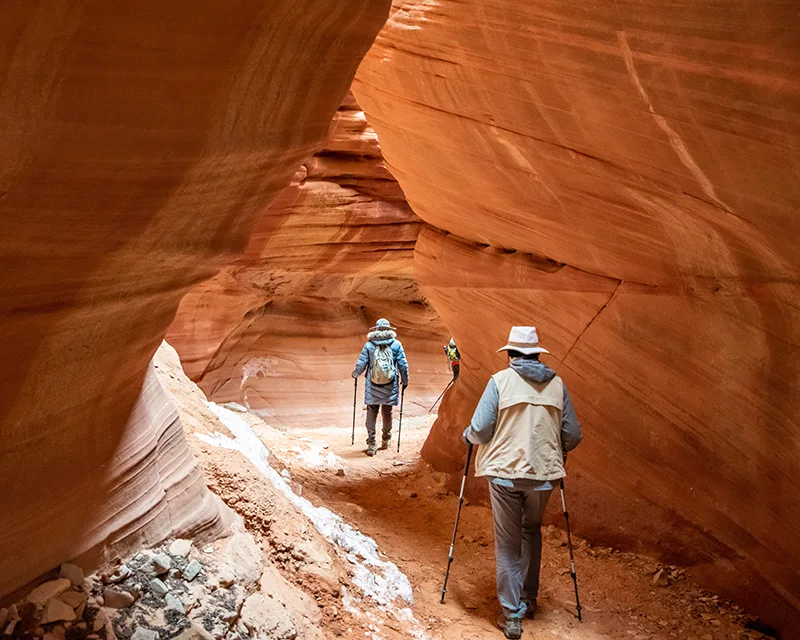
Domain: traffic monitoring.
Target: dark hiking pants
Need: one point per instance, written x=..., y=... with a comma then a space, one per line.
x=372, y=418
x=517, y=512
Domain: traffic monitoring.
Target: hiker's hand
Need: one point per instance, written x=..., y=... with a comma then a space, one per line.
x=354, y=374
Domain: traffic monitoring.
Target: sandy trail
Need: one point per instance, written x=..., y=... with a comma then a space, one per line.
x=400, y=502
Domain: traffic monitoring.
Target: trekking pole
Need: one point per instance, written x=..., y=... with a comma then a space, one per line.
x=400, y=427
x=458, y=516
x=355, y=395
x=442, y=394
x=571, y=555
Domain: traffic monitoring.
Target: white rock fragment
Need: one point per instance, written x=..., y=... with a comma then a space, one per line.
x=119, y=574
x=71, y=572
x=144, y=634
x=192, y=570
x=48, y=590
x=161, y=564
x=174, y=603
x=266, y=617
x=244, y=558
x=117, y=599
x=56, y=611
x=180, y=548
x=158, y=587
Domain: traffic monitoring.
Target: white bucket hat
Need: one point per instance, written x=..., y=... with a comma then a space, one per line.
x=525, y=340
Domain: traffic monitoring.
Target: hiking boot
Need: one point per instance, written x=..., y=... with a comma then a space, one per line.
x=512, y=627
x=385, y=444
x=371, y=450
x=530, y=609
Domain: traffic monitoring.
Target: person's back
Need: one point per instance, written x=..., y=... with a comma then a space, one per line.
x=524, y=424
x=384, y=361
x=527, y=437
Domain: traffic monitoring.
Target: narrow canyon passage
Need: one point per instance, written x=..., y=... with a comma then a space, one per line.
x=400, y=502
x=257, y=183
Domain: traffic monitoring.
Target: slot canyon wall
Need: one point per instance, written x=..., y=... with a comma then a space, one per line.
x=279, y=330
x=141, y=141
x=624, y=175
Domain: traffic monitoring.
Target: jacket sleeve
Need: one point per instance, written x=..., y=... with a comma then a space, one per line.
x=484, y=420
x=363, y=361
x=570, y=427
x=402, y=363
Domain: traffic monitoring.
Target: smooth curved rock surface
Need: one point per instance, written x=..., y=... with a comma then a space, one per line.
x=624, y=176
x=280, y=329
x=137, y=154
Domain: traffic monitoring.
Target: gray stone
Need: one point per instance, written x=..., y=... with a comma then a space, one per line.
x=174, y=603
x=158, y=587
x=71, y=572
x=117, y=598
x=192, y=570
x=180, y=548
x=161, y=564
x=144, y=634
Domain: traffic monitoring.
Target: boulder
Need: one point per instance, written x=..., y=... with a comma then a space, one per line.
x=265, y=616
x=71, y=572
x=180, y=548
x=117, y=598
x=48, y=590
x=55, y=611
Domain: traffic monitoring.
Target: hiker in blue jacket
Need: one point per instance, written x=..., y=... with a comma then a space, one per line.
x=382, y=358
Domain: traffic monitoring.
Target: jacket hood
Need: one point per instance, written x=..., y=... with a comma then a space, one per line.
x=533, y=370
x=381, y=337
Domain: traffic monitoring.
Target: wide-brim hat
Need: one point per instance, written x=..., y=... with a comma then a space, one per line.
x=523, y=339
x=383, y=325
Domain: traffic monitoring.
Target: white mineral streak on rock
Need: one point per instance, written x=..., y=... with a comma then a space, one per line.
x=377, y=578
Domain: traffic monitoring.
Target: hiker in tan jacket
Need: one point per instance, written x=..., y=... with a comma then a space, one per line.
x=525, y=424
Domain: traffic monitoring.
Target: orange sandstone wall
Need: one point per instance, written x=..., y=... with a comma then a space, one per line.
x=280, y=329
x=625, y=176
x=141, y=140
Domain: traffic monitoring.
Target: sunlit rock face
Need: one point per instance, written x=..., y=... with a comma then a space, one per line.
x=625, y=177
x=280, y=329
x=140, y=142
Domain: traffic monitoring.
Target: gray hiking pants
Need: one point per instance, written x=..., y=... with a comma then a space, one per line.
x=372, y=418
x=517, y=514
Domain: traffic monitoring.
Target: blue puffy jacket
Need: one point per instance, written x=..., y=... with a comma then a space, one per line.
x=382, y=393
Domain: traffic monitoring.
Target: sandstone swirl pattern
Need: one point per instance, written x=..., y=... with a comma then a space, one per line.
x=280, y=328
x=624, y=175
x=141, y=140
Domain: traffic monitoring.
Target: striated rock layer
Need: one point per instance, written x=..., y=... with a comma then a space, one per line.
x=625, y=176
x=137, y=153
x=280, y=329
